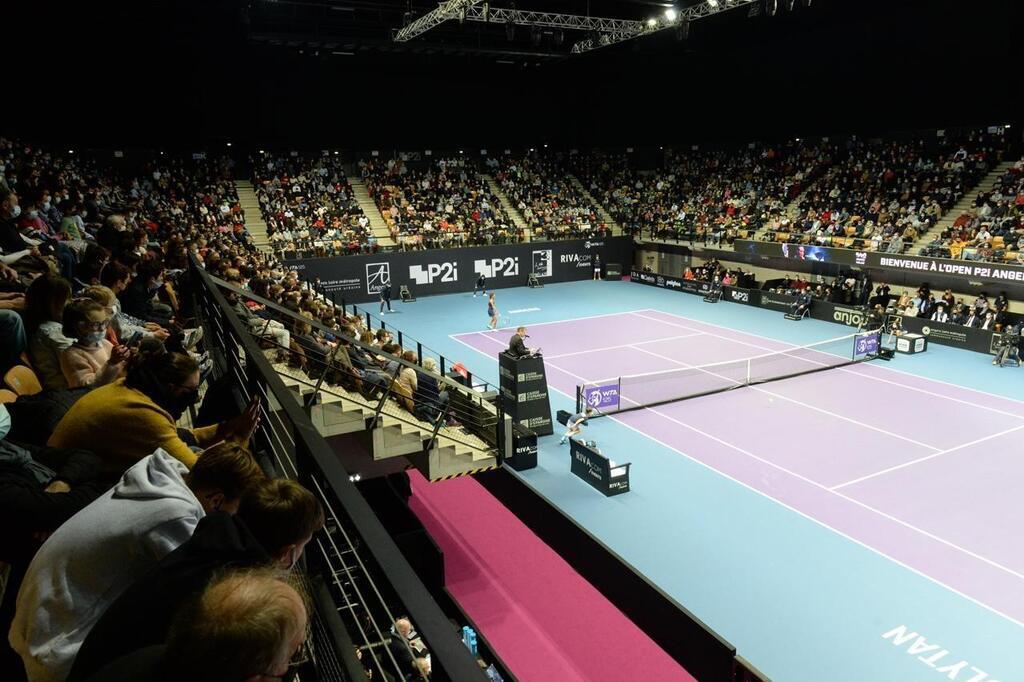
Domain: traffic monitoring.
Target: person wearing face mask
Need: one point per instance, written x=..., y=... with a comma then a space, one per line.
x=91, y=360
x=44, y=315
x=275, y=521
x=247, y=625
x=137, y=298
x=134, y=416
x=94, y=557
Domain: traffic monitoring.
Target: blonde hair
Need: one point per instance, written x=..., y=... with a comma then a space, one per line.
x=101, y=294
x=429, y=364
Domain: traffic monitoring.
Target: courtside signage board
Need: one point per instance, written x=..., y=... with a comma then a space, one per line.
x=359, y=278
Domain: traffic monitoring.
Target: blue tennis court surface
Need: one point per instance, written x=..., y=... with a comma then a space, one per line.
x=859, y=523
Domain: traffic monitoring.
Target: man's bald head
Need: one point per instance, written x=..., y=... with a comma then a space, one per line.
x=246, y=623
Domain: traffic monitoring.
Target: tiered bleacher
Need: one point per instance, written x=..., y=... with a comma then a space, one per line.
x=704, y=196
x=105, y=366
x=309, y=206
x=445, y=203
x=992, y=230
x=879, y=194
x=551, y=205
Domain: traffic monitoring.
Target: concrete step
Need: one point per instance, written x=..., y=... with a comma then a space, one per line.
x=602, y=212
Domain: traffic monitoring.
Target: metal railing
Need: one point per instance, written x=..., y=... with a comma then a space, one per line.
x=361, y=582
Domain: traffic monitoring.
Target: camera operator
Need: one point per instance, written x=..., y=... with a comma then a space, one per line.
x=1009, y=344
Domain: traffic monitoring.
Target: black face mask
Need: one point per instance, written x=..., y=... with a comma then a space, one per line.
x=178, y=403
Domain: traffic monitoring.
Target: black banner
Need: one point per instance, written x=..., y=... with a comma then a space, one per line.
x=979, y=340
x=744, y=296
x=524, y=392
x=690, y=286
x=922, y=267
x=596, y=469
x=359, y=279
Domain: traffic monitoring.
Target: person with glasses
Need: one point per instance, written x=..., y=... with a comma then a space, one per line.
x=248, y=625
x=91, y=360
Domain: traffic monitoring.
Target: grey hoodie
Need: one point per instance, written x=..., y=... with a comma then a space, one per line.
x=90, y=560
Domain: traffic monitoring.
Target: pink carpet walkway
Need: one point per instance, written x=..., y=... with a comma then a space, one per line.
x=543, y=619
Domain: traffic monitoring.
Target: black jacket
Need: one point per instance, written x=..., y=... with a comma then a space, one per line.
x=149, y=663
x=142, y=615
x=516, y=347
x=137, y=300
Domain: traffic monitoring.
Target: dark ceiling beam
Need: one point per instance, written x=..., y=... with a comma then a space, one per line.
x=388, y=45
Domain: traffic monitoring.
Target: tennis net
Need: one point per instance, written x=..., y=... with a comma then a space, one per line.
x=636, y=391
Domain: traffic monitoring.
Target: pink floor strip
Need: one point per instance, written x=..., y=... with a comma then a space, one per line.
x=544, y=620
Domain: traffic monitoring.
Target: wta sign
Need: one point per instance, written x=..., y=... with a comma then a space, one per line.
x=602, y=396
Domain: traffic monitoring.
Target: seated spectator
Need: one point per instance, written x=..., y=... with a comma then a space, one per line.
x=134, y=416
x=431, y=399
x=12, y=338
x=137, y=299
x=40, y=488
x=262, y=327
x=272, y=527
x=90, y=560
x=91, y=360
x=802, y=304
x=246, y=625
x=44, y=315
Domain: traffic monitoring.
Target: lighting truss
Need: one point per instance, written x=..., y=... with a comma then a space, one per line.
x=693, y=13
x=551, y=20
x=450, y=9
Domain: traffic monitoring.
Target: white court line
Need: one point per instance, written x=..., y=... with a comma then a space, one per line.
x=595, y=350
x=926, y=457
x=796, y=511
x=544, y=324
x=798, y=402
x=821, y=486
x=848, y=370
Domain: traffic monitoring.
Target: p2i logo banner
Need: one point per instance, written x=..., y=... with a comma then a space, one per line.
x=378, y=275
x=434, y=272
x=497, y=267
x=740, y=296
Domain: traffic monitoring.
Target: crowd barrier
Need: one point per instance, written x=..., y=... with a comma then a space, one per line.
x=969, y=338
x=360, y=278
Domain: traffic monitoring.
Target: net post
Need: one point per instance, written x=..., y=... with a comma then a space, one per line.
x=579, y=399
x=748, y=371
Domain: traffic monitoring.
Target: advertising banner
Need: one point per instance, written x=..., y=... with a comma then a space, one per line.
x=602, y=396
x=979, y=340
x=972, y=271
x=666, y=282
x=359, y=279
x=867, y=345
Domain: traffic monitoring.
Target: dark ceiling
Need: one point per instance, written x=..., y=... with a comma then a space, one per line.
x=327, y=74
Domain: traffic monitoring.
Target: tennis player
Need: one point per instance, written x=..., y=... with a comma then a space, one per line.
x=492, y=312
x=574, y=425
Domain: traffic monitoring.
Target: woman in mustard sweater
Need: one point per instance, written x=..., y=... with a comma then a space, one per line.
x=128, y=419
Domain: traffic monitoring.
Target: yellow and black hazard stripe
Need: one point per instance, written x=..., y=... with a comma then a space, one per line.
x=464, y=473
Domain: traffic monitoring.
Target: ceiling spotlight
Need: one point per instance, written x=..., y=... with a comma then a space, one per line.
x=652, y=22
x=229, y=144
x=335, y=152
x=713, y=4
x=671, y=14
x=262, y=152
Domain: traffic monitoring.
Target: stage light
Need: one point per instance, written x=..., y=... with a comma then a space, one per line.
x=713, y=4
x=229, y=144
x=335, y=152
x=671, y=14
x=487, y=12
x=652, y=22
x=71, y=151
x=261, y=152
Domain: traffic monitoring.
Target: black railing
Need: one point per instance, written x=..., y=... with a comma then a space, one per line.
x=359, y=575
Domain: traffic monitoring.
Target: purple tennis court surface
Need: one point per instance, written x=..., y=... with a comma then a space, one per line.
x=924, y=472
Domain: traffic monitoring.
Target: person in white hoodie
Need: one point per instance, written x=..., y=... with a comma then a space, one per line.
x=98, y=553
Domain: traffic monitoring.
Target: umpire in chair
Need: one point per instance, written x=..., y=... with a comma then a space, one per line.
x=517, y=347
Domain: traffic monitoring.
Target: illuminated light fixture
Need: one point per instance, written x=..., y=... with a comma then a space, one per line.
x=229, y=144
x=652, y=22
x=335, y=152
x=713, y=4
x=262, y=152
x=72, y=151
x=671, y=14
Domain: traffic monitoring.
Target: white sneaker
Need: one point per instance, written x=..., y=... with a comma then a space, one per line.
x=192, y=337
